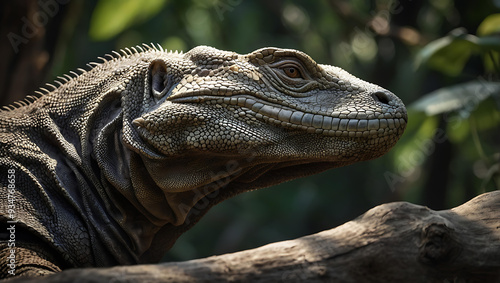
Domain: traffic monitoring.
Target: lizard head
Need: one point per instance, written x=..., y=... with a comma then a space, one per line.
x=213, y=124
x=277, y=105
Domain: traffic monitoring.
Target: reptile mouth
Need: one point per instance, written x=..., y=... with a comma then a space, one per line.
x=338, y=124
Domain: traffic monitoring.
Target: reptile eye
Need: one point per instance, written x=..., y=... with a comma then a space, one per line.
x=292, y=72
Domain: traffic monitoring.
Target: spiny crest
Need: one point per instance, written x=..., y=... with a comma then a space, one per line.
x=30, y=98
x=62, y=80
x=7, y=108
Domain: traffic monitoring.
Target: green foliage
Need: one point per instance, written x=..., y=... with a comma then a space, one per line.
x=412, y=150
x=112, y=17
x=464, y=97
x=490, y=25
x=469, y=111
x=449, y=54
x=470, y=108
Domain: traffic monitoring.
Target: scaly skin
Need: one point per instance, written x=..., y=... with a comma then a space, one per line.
x=112, y=165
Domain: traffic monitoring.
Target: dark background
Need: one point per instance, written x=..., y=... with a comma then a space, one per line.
x=447, y=48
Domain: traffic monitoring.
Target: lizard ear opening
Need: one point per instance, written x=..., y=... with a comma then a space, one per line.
x=159, y=78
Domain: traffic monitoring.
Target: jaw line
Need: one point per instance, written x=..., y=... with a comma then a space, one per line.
x=321, y=123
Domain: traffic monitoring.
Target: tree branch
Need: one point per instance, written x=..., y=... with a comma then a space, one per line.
x=394, y=242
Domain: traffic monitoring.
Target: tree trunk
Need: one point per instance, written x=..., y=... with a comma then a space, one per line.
x=394, y=242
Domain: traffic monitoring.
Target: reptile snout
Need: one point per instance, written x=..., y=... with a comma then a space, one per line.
x=382, y=96
x=390, y=102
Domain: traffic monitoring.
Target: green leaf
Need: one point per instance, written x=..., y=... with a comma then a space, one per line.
x=412, y=149
x=487, y=43
x=447, y=54
x=485, y=117
x=491, y=61
x=110, y=17
x=464, y=97
x=490, y=25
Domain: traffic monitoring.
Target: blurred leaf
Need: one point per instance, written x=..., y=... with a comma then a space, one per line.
x=490, y=25
x=458, y=129
x=410, y=152
x=491, y=61
x=110, y=17
x=491, y=48
x=487, y=43
x=464, y=97
x=449, y=54
x=486, y=116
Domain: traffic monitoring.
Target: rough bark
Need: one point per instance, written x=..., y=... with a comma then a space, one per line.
x=394, y=242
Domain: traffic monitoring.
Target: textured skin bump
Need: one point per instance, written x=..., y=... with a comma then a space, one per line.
x=116, y=162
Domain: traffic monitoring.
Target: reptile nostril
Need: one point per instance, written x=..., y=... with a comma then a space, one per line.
x=381, y=97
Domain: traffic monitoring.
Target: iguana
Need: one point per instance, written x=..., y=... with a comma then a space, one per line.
x=114, y=163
